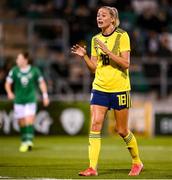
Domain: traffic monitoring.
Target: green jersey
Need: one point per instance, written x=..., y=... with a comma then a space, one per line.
x=25, y=83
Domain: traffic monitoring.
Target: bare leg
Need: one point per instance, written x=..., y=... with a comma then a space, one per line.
x=123, y=131
x=97, y=117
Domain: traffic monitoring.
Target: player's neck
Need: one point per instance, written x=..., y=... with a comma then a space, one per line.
x=25, y=68
x=108, y=31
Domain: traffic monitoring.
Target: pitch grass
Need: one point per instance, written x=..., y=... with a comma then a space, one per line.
x=62, y=157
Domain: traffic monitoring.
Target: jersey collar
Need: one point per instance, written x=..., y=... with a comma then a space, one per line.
x=26, y=69
x=106, y=35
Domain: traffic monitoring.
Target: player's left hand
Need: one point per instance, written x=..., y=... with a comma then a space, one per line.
x=102, y=46
x=46, y=101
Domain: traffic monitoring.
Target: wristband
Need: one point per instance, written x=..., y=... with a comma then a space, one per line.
x=45, y=95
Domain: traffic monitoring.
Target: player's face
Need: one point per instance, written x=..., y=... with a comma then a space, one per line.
x=21, y=61
x=104, y=18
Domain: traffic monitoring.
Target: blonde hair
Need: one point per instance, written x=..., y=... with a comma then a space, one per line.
x=114, y=14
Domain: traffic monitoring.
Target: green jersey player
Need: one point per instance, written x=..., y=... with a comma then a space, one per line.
x=25, y=78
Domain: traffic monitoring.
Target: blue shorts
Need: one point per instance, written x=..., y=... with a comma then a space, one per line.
x=118, y=101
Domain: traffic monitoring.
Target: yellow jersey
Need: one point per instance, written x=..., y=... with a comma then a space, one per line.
x=109, y=76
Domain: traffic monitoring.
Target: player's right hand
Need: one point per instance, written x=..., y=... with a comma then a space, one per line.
x=11, y=96
x=79, y=50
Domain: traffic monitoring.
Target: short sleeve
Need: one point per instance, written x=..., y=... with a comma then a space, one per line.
x=124, y=42
x=93, y=49
x=38, y=73
x=10, y=77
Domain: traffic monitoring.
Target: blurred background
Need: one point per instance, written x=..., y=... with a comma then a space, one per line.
x=48, y=29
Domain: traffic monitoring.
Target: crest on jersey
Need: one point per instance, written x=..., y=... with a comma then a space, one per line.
x=24, y=80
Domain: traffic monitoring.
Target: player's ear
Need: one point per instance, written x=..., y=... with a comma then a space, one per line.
x=113, y=20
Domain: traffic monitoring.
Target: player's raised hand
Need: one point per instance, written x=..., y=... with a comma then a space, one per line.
x=102, y=46
x=78, y=50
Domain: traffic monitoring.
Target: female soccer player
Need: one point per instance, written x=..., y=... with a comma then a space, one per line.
x=25, y=78
x=110, y=60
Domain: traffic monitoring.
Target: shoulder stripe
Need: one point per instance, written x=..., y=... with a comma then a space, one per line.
x=119, y=30
x=116, y=44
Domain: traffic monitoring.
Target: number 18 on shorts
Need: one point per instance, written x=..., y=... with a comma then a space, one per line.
x=118, y=101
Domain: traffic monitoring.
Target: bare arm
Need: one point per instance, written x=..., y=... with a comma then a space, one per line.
x=43, y=88
x=8, y=88
x=81, y=51
x=123, y=60
x=91, y=63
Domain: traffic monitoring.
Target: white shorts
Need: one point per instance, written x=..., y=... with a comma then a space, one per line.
x=24, y=110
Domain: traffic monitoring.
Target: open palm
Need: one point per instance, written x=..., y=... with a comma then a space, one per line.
x=78, y=50
x=101, y=45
